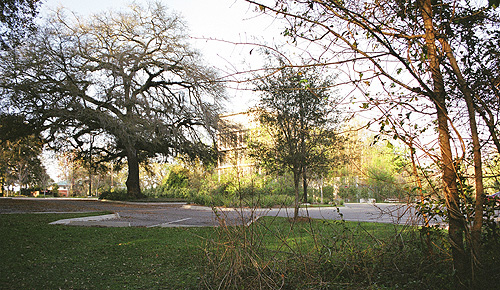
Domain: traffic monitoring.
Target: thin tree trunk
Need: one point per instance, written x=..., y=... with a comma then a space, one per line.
x=296, y=180
x=321, y=189
x=455, y=216
x=304, y=183
x=90, y=183
x=478, y=176
x=90, y=165
x=133, y=186
x=478, y=170
x=456, y=223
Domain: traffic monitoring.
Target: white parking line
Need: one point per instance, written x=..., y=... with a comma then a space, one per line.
x=169, y=223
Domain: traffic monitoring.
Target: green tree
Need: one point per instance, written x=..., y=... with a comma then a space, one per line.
x=384, y=172
x=130, y=76
x=298, y=117
x=20, y=151
x=374, y=168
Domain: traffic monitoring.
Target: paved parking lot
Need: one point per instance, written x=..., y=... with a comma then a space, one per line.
x=183, y=215
x=125, y=213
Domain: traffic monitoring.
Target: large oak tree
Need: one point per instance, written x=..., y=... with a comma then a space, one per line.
x=129, y=75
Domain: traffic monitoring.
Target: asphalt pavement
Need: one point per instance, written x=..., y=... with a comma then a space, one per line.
x=135, y=214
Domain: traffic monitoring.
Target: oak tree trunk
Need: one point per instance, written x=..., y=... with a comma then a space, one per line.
x=133, y=186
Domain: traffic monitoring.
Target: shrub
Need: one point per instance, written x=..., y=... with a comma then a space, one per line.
x=177, y=178
x=115, y=194
x=272, y=200
x=227, y=190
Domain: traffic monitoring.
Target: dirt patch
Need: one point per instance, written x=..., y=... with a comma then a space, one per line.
x=300, y=219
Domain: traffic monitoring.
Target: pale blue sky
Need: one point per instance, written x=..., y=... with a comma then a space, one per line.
x=233, y=20
x=205, y=18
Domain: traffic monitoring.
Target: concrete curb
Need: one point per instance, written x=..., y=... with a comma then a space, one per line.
x=86, y=220
x=144, y=203
x=197, y=207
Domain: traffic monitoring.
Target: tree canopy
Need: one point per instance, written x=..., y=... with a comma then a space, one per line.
x=298, y=115
x=130, y=77
x=20, y=150
x=16, y=20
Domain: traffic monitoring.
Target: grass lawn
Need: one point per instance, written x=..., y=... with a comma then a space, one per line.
x=36, y=255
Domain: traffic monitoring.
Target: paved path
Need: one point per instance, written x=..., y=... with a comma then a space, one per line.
x=183, y=215
x=378, y=212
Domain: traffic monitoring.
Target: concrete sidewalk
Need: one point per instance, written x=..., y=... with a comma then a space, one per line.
x=108, y=220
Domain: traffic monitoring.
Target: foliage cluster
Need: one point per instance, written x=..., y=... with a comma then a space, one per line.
x=16, y=21
x=20, y=150
x=373, y=170
x=380, y=174
x=227, y=190
x=378, y=189
x=115, y=194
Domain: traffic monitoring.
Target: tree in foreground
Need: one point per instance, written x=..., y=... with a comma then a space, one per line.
x=130, y=77
x=298, y=118
x=413, y=50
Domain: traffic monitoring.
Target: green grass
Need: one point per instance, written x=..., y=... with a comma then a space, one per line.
x=317, y=254
x=36, y=255
x=308, y=235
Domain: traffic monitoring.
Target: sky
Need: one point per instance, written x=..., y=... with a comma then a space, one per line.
x=226, y=21
x=213, y=18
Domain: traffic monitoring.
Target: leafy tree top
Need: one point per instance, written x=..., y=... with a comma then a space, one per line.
x=16, y=19
x=299, y=116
